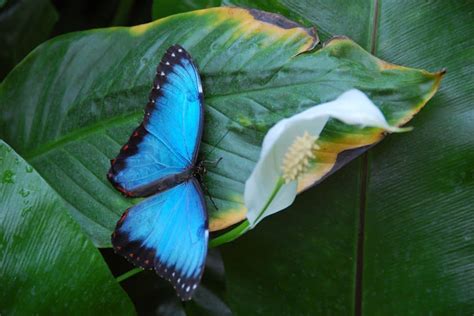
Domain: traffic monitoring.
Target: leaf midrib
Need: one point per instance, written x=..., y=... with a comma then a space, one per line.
x=80, y=133
x=364, y=176
x=85, y=131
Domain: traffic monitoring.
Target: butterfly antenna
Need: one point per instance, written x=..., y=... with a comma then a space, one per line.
x=215, y=146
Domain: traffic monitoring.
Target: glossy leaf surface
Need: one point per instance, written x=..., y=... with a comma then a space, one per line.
x=47, y=265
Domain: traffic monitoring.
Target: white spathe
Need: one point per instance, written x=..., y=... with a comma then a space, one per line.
x=352, y=107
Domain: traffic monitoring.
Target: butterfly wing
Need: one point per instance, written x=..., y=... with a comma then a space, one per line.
x=167, y=142
x=167, y=232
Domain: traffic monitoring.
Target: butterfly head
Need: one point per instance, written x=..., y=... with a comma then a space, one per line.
x=200, y=170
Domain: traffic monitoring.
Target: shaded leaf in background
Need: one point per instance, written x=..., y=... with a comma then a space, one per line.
x=418, y=237
x=153, y=295
x=48, y=266
x=23, y=25
x=88, y=14
x=83, y=109
x=302, y=260
x=210, y=297
x=164, y=8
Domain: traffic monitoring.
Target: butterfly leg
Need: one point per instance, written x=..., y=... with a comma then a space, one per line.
x=206, y=190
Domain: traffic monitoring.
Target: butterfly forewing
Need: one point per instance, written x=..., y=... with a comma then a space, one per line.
x=167, y=142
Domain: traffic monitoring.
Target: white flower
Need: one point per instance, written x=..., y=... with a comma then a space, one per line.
x=289, y=149
x=298, y=157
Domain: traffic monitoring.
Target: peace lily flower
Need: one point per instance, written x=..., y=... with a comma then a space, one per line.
x=289, y=149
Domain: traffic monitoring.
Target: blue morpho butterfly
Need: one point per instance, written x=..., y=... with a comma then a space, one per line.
x=168, y=231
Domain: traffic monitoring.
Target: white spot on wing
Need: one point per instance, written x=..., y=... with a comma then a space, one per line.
x=188, y=288
x=194, y=286
x=162, y=73
x=180, y=50
x=173, y=55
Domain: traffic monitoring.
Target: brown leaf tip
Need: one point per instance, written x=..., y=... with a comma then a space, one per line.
x=283, y=22
x=274, y=19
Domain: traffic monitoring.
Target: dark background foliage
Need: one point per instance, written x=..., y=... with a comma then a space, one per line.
x=391, y=233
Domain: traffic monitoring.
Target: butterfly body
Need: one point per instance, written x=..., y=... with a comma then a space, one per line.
x=167, y=231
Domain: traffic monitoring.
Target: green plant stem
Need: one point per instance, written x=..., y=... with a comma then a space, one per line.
x=229, y=236
x=245, y=225
x=276, y=189
x=128, y=274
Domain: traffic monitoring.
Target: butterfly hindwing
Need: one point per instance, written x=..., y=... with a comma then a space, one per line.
x=168, y=232
x=167, y=142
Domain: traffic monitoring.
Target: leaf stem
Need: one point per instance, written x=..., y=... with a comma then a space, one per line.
x=128, y=274
x=230, y=235
x=275, y=191
x=245, y=225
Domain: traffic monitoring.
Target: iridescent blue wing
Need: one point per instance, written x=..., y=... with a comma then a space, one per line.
x=167, y=232
x=167, y=142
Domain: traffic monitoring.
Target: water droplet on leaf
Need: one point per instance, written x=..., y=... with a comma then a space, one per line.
x=8, y=177
x=24, y=192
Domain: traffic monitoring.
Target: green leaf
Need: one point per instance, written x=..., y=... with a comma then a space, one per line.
x=86, y=92
x=417, y=242
x=23, y=25
x=47, y=265
x=419, y=216
x=164, y=8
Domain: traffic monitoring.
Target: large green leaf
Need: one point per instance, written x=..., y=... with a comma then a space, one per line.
x=23, y=25
x=86, y=92
x=47, y=265
x=418, y=222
